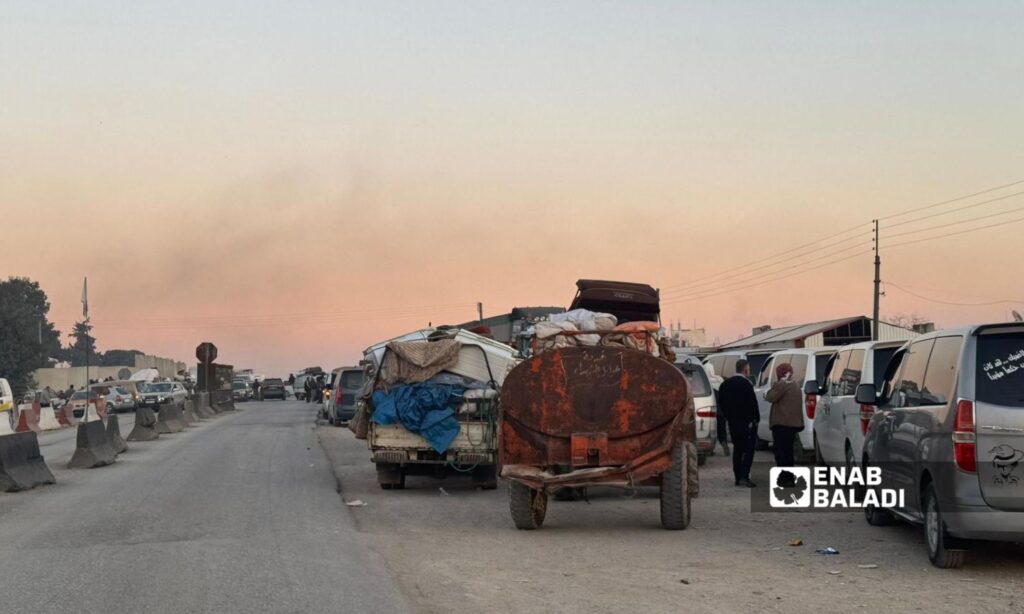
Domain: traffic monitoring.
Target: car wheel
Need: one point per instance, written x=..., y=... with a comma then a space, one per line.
x=935, y=537
x=851, y=462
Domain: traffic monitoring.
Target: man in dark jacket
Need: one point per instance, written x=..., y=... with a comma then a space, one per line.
x=738, y=404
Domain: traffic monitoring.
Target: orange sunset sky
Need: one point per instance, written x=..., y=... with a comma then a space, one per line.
x=296, y=180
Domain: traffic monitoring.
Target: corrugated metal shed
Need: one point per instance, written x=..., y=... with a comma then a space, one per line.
x=828, y=333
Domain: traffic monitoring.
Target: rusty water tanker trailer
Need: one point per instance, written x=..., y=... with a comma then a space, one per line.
x=603, y=414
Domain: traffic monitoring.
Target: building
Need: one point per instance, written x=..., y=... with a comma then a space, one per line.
x=59, y=378
x=507, y=326
x=820, y=334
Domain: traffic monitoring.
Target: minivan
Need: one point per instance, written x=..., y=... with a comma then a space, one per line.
x=347, y=385
x=725, y=362
x=809, y=368
x=840, y=422
x=704, y=405
x=948, y=430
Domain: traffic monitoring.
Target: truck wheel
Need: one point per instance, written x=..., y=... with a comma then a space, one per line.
x=675, y=490
x=390, y=476
x=935, y=537
x=528, y=506
x=702, y=459
x=485, y=477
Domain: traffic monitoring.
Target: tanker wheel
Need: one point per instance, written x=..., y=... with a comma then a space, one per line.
x=528, y=506
x=675, y=490
x=692, y=478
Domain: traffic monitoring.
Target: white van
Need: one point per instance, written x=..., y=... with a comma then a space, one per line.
x=841, y=422
x=705, y=406
x=725, y=362
x=809, y=367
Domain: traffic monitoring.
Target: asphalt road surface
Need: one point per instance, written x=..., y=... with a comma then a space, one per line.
x=237, y=514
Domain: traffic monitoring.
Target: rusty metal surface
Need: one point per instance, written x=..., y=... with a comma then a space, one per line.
x=586, y=407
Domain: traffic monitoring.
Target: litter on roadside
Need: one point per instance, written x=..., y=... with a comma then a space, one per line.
x=868, y=566
x=796, y=542
x=356, y=503
x=829, y=550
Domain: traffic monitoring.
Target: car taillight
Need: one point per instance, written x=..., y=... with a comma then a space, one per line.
x=964, y=438
x=327, y=394
x=705, y=413
x=866, y=411
x=811, y=405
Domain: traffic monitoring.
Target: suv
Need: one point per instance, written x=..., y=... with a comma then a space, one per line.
x=705, y=405
x=348, y=383
x=809, y=368
x=949, y=431
x=840, y=421
x=273, y=388
x=155, y=394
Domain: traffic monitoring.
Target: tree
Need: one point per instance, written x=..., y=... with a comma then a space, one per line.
x=904, y=320
x=27, y=338
x=83, y=342
x=120, y=358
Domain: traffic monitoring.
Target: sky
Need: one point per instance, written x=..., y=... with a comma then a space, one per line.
x=294, y=181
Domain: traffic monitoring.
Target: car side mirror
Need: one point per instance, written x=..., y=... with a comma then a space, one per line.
x=866, y=394
x=811, y=387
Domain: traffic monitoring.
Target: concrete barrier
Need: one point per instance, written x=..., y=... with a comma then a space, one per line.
x=92, y=449
x=48, y=419
x=201, y=402
x=188, y=417
x=114, y=438
x=28, y=419
x=21, y=464
x=66, y=416
x=145, y=425
x=169, y=419
x=98, y=409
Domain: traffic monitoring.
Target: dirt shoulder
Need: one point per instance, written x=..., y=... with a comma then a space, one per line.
x=454, y=549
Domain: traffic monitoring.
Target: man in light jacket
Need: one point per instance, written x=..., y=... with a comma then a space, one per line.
x=787, y=414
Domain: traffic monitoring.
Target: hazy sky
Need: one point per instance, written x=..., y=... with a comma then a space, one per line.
x=295, y=180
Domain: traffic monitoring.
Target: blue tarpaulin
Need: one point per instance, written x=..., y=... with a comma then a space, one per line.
x=425, y=409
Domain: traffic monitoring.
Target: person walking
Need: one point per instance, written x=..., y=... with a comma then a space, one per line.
x=722, y=430
x=786, y=418
x=738, y=403
x=308, y=387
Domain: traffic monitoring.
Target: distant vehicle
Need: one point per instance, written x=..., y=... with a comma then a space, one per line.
x=273, y=388
x=240, y=390
x=840, y=421
x=120, y=399
x=329, y=381
x=949, y=431
x=289, y=392
x=725, y=362
x=133, y=388
x=156, y=393
x=78, y=402
x=809, y=368
x=705, y=408
x=348, y=384
x=300, y=384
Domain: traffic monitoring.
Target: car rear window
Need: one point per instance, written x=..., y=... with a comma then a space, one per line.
x=1000, y=370
x=352, y=379
x=697, y=379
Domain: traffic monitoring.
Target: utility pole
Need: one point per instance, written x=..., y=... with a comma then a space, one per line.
x=878, y=285
x=480, y=311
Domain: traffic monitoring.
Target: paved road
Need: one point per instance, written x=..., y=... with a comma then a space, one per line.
x=238, y=514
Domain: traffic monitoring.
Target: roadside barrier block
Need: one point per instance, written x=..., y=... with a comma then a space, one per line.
x=93, y=449
x=145, y=425
x=188, y=415
x=28, y=419
x=48, y=419
x=202, y=405
x=21, y=464
x=117, y=443
x=66, y=416
x=169, y=419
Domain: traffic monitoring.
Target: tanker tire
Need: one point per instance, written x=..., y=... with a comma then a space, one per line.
x=528, y=506
x=692, y=477
x=675, y=495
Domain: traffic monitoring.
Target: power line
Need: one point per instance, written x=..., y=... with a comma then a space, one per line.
x=740, y=282
x=941, y=213
x=934, y=300
x=952, y=200
x=953, y=234
x=957, y=223
x=761, y=283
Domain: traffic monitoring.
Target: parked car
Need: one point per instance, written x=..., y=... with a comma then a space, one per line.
x=78, y=401
x=118, y=399
x=949, y=430
x=329, y=381
x=725, y=362
x=704, y=405
x=840, y=422
x=240, y=391
x=809, y=368
x=348, y=384
x=156, y=393
x=273, y=388
x=134, y=388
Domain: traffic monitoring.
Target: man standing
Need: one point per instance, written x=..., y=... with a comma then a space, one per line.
x=787, y=415
x=738, y=403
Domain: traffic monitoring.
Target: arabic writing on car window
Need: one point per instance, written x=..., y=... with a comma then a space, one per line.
x=999, y=368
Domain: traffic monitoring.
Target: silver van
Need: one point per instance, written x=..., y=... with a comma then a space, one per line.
x=840, y=422
x=809, y=368
x=705, y=406
x=949, y=431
